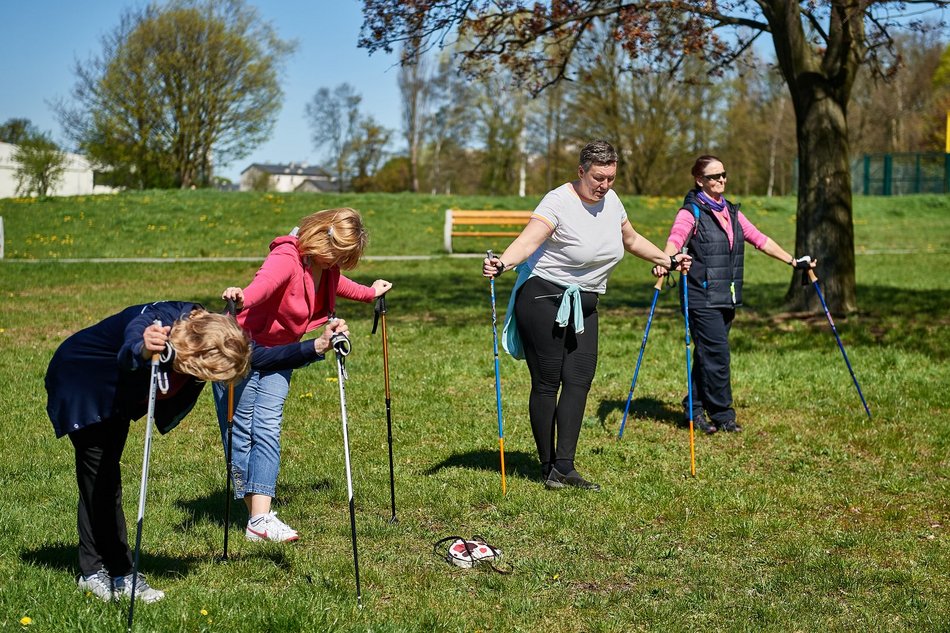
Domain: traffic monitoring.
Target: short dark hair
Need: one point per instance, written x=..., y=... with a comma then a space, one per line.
x=598, y=153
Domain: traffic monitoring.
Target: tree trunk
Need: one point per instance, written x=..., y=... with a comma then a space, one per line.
x=819, y=80
x=824, y=227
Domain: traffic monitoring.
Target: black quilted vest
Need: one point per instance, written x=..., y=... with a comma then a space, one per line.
x=715, y=277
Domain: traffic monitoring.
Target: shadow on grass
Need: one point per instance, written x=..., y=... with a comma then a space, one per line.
x=517, y=463
x=63, y=556
x=888, y=317
x=641, y=409
x=210, y=508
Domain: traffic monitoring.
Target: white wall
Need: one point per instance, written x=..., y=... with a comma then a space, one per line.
x=287, y=181
x=76, y=180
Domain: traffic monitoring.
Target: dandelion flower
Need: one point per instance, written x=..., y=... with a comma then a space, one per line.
x=204, y=612
x=26, y=620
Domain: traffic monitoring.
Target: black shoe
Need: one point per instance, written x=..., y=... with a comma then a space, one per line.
x=573, y=479
x=704, y=425
x=731, y=427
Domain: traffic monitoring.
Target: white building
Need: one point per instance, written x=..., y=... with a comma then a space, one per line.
x=77, y=180
x=290, y=177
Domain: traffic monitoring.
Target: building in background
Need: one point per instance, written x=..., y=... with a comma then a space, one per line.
x=77, y=180
x=286, y=178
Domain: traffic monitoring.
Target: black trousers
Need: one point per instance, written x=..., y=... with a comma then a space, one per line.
x=103, y=536
x=710, y=375
x=559, y=360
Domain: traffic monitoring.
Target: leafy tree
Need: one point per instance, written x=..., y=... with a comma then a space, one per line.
x=415, y=87
x=644, y=114
x=176, y=90
x=760, y=145
x=40, y=165
x=448, y=130
x=393, y=176
x=262, y=181
x=16, y=131
x=499, y=119
x=819, y=47
x=334, y=118
x=900, y=111
x=547, y=131
x=367, y=150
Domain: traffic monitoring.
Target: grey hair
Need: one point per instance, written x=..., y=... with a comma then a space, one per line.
x=598, y=153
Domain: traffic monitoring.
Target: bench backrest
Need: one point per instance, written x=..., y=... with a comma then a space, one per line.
x=482, y=217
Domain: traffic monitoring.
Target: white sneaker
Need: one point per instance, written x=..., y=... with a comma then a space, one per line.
x=122, y=587
x=268, y=527
x=99, y=585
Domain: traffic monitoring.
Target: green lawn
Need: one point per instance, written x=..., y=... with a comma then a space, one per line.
x=812, y=519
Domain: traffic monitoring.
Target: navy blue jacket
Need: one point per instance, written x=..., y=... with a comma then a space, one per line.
x=715, y=276
x=98, y=373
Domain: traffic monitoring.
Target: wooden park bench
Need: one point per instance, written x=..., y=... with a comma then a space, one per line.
x=465, y=223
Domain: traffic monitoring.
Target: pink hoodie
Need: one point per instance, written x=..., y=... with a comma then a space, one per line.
x=281, y=304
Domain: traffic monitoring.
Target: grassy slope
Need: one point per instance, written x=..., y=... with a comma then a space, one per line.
x=813, y=519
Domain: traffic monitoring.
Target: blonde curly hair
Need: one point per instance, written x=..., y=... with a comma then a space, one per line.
x=333, y=236
x=210, y=347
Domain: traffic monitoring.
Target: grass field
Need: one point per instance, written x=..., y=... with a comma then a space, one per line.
x=812, y=519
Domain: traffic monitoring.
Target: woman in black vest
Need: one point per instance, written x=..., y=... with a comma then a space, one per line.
x=714, y=232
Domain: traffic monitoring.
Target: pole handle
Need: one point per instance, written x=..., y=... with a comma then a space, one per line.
x=812, y=277
x=659, y=283
x=379, y=309
x=491, y=256
x=156, y=355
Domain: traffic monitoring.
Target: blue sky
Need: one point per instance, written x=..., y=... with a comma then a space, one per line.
x=43, y=38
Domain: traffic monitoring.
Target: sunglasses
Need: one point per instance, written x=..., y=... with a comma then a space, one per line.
x=719, y=176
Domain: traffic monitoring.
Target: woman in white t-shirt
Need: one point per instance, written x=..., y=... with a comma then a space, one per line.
x=572, y=242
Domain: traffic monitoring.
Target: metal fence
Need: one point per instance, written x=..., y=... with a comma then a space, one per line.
x=901, y=173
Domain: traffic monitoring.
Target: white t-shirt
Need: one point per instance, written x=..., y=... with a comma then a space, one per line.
x=587, y=241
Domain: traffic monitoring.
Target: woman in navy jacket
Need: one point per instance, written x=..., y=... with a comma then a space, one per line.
x=714, y=232
x=98, y=382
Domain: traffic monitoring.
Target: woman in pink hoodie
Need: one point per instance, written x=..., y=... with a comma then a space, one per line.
x=293, y=292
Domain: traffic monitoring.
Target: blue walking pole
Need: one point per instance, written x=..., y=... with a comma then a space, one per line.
x=814, y=280
x=689, y=379
x=501, y=432
x=643, y=345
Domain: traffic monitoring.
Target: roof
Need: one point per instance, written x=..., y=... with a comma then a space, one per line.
x=314, y=185
x=292, y=169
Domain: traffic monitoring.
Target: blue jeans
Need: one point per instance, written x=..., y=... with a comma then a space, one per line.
x=255, y=441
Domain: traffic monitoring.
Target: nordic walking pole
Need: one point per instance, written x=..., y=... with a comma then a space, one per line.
x=501, y=432
x=814, y=281
x=656, y=293
x=689, y=377
x=341, y=345
x=232, y=310
x=149, y=420
x=381, y=316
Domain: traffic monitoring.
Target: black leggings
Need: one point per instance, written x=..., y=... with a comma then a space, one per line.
x=558, y=359
x=103, y=539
